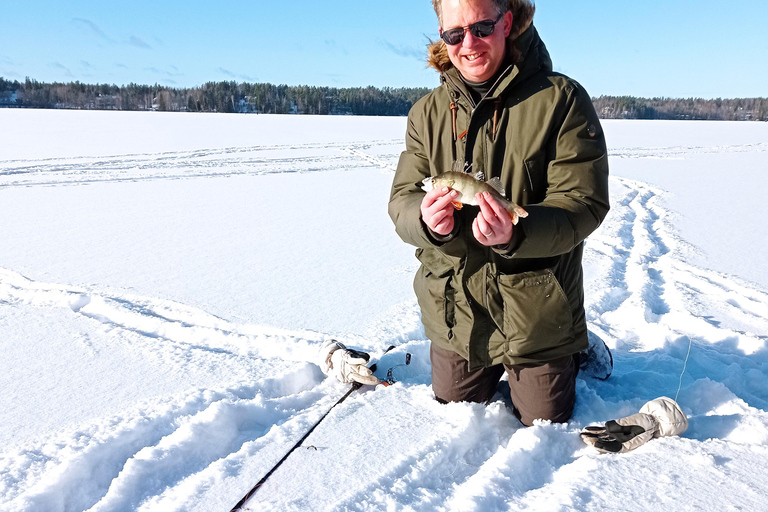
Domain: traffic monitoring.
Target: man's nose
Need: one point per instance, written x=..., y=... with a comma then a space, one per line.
x=469, y=39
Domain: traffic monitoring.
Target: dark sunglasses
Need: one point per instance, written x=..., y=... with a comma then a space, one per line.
x=482, y=28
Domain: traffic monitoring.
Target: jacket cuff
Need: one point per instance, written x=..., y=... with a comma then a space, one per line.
x=518, y=235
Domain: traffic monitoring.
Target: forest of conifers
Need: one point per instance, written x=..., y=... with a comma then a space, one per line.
x=283, y=99
x=214, y=97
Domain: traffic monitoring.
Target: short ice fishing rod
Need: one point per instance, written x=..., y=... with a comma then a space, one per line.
x=355, y=387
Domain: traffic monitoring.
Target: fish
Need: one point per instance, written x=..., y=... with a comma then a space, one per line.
x=467, y=185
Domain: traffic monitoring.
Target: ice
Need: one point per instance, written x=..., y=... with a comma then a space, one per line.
x=166, y=280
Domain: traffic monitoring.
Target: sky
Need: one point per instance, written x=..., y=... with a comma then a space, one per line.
x=677, y=48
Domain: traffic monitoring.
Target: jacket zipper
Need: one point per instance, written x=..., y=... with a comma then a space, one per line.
x=454, y=107
x=527, y=165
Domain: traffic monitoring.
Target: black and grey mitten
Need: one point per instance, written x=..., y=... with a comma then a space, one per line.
x=658, y=418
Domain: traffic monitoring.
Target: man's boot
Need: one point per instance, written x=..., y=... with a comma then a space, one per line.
x=596, y=361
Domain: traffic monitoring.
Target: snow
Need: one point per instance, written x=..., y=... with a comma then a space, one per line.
x=715, y=174
x=165, y=280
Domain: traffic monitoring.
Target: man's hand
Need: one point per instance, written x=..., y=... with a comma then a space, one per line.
x=437, y=210
x=346, y=365
x=492, y=226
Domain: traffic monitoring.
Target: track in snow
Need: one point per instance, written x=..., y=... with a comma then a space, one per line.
x=235, y=161
x=256, y=160
x=650, y=295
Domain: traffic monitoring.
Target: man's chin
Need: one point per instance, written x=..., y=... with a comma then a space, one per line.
x=476, y=75
x=478, y=70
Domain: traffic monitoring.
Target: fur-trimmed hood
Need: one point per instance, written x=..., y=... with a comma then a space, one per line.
x=522, y=19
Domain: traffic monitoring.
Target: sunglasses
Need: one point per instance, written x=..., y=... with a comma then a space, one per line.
x=482, y=28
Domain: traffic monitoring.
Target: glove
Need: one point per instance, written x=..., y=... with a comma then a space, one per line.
x=658, y=418
x=346, y=365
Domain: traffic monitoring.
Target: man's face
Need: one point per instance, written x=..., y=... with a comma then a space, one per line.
x=476, y=58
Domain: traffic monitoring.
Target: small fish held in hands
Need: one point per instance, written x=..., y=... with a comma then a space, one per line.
x=468, y=185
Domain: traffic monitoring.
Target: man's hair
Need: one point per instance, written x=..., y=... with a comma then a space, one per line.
x=501, y=6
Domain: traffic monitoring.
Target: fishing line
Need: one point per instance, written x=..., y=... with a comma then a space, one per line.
x=465, y=463
x=685, y=364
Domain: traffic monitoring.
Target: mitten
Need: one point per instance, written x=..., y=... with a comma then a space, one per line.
x=346, y=365
x=658, y=418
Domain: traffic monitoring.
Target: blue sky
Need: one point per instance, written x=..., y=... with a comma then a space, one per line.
x=679, y=48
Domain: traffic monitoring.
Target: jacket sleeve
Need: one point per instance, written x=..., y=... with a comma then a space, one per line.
x=577, y=199
x=406, y=195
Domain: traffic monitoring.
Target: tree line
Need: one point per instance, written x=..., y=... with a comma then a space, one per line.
x=212, y=97
x=283, y=99
x=630, y=107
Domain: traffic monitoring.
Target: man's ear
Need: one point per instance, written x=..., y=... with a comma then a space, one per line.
x=507, y=23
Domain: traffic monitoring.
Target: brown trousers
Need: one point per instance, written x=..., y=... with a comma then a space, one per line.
x=545, y=391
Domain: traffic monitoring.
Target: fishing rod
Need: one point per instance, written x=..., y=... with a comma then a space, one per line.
x=355, y=387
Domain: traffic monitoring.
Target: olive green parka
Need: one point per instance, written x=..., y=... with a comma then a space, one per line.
x=536, y=130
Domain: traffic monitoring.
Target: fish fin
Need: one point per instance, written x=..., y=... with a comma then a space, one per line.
x=457, y=205
x=479, y=176
x=459, y=166
x=495, y=183
x=515, y=213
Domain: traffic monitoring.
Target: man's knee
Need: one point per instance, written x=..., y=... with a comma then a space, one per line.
x=456, y=394
x=546, y=392
x=469, y=388
x=453, y=382
x=556, y=413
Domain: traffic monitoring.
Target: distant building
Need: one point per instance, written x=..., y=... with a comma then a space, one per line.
x=8, y=97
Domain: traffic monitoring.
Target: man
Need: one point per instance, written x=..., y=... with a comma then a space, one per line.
x=496, y=296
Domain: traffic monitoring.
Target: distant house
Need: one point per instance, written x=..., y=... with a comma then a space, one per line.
x=8, y=97
x=243, y=107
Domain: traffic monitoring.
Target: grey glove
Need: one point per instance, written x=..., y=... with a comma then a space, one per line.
x=346, y=365
x=658, y=418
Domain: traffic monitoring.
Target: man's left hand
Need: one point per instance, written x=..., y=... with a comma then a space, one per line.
x=492, y=226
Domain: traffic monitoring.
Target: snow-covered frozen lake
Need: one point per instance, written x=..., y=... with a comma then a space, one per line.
x=165, y=280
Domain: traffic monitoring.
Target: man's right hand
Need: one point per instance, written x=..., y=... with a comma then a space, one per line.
x=437, y=210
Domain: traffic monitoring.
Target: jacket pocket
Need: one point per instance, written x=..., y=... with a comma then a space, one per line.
x=434, y=289
x=437, y=300
x=537, y=315
x=536, y=179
